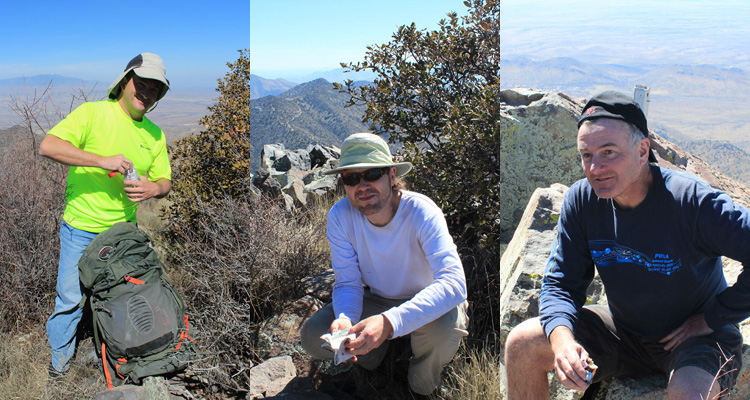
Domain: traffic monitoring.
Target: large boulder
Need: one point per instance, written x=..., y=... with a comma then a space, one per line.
x=297, y=159
x=271, y=377
x=319, y=154
x=539, y=149
x=271, y=153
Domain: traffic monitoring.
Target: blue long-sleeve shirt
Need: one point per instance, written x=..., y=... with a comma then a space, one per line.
x=660, y=262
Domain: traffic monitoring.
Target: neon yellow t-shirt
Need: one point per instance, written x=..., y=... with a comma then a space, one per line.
x=95, y=201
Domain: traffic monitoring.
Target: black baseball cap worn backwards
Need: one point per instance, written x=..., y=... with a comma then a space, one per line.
x=612, y=104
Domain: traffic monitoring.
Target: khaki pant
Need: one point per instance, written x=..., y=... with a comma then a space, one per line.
x=433, y=344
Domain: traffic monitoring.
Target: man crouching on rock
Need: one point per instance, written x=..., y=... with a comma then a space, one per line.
x=397, y=271
x=656, y=237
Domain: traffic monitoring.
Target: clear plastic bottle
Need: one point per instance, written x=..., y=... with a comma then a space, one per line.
x=132, y=175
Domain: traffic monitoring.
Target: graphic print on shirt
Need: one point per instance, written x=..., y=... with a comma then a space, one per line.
x=607, y=252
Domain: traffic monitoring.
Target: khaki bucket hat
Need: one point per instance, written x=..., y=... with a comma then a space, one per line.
x=366, y=150
x=147, y=66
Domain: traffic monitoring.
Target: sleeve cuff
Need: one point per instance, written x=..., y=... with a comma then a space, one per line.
x=395, y=321
x=551, y=324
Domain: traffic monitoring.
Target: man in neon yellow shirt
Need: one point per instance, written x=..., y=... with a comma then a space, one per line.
x=97, y=140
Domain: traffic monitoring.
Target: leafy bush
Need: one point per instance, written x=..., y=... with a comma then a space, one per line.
x=437, y=94
x=216, y=162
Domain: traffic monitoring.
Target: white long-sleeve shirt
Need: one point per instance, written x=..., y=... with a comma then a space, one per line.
x=412, y=257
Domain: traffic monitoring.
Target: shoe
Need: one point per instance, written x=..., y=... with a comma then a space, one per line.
x=55, y=374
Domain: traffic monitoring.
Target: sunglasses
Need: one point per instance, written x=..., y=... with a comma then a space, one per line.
x=371, y=175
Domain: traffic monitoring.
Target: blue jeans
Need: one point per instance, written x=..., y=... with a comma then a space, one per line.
x=63, y=323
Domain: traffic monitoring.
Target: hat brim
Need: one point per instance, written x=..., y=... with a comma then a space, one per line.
x=146, y=73
x=402, y=168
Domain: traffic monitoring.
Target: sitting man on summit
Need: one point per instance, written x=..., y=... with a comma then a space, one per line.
x=397, y=270
x=656, y=237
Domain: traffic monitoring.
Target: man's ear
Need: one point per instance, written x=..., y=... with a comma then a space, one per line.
x=643, y=149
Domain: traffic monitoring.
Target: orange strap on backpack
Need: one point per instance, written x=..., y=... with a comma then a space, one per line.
x=107, y=375
x=106, y=370
x=134, y=280
x=184, y=334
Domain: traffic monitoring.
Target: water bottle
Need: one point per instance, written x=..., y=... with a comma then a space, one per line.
x=132, y=174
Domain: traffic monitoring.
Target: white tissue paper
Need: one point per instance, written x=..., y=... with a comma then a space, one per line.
x=336, y=342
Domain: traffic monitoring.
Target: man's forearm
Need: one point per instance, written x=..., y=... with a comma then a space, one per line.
x=561, y=334
x=64, y=152
x=165, y=185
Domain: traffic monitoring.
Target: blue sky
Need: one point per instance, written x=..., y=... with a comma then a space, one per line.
x=95, y=39
x=292, y=38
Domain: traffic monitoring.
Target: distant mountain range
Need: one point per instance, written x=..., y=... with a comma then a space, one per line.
x=309, y=113
x=42, y=80
x=260, y=87
x=722, y=155
x=725, y=156
x=177, y=114
x=580, y=79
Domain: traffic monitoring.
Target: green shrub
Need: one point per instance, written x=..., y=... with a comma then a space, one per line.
x=216, y=162
x=436, y=94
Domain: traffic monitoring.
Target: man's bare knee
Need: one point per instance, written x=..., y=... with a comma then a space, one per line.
x=692, y=383
x=528, y=345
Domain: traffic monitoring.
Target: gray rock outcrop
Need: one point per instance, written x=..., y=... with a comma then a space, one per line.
x=295, y=176
x=540, y=148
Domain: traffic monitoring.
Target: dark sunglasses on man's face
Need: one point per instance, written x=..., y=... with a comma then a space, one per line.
x=371, y=175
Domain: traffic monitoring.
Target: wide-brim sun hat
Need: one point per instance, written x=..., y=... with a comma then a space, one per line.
x=367, y=150
x=147, y=66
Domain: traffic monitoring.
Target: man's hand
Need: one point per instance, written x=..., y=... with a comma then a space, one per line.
x=145, y=189
x=117, y=162
x=694, y=326
x=340, y=325
x=371, y=333
x=569, y=359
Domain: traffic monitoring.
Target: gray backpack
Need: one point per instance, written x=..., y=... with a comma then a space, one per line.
x=139, y=321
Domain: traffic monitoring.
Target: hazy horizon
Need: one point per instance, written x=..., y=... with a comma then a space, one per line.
x=636, y=32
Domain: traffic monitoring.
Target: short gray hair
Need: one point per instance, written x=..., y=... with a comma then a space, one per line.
x=636, y=135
